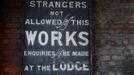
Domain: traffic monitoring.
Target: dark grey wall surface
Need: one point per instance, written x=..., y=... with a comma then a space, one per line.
x=113, y=34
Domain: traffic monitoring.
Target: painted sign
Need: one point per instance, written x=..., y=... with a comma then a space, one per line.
x=57, y=37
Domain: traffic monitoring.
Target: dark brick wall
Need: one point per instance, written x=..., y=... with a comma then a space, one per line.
x=10, y=37
x=113, y=37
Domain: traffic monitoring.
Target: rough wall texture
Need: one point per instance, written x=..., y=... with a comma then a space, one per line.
x=113, y=45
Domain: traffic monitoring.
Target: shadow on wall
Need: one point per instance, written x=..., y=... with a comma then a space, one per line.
x=128, y=66
x=9, y=39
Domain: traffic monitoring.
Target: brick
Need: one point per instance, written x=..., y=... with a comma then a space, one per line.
x=10, y=69
x=125, y=42
x=130, y=46
x=12, y=31
x=117, y=26
x=103, y=64
x=10, y=41
x=10, y=47
x=102, y=52
x=118, y=57
x=97, y=73
x=132, y=52
x=104, y=73
x=10, y=15
x=106, y=58
x=127, y=1
x=9, y=36
x=117, y=52
x=111, y=63
x=119, y=73
x=10, y=53
x=127, y=53
x=111, y=73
